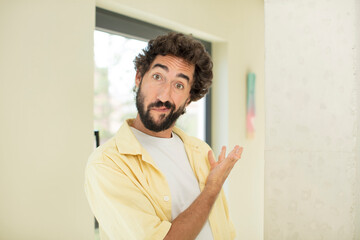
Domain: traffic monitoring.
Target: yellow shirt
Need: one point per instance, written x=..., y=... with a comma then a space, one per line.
x=130, y=197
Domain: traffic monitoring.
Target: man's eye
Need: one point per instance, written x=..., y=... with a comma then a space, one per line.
x=156, y=77
x=179, y=86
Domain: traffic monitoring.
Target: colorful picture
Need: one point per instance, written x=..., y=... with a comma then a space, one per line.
x=250, y=105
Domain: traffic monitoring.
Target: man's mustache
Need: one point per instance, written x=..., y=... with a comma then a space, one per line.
x=159, y=103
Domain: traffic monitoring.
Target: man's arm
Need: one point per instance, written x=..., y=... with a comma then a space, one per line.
x=190, y=222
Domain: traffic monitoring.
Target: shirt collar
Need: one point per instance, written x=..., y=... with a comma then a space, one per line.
x=128, y=144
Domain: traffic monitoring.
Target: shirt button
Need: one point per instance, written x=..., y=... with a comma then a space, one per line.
x=166, y=198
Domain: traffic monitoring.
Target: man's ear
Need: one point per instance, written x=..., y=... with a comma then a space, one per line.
x=137, y=79
x=188, y=101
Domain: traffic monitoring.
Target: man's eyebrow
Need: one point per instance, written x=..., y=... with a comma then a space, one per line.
x=160, y=66
x=167, y=69
x=183, y=76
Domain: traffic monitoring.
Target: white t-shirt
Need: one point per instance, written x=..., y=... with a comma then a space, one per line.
x=170, y=157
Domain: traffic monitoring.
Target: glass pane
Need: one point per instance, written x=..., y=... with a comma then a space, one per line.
x=114, y=99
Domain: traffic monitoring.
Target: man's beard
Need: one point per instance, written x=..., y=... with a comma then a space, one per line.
x=165, y=121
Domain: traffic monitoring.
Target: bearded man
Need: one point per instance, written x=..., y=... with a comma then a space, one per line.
x=151, y=180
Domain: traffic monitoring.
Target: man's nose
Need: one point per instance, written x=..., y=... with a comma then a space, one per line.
x=164, y=92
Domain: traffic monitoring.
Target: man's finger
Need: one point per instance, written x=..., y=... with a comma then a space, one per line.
x=222, y=153
x=211, y=158
x=235, y=154
x=233, y=151
x=239, y=152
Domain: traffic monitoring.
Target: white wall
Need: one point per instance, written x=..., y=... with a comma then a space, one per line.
x=46, y=124
x=357, y=74
x=312, y=119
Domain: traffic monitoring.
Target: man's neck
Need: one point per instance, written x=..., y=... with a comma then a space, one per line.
x=138, y=124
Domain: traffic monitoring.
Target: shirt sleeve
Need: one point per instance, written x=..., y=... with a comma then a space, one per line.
x=122, y=210
x=226, y=208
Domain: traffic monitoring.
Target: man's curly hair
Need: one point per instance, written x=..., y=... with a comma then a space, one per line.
x=185, y=47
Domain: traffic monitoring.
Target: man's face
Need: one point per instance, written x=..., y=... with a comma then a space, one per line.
x=164, y=92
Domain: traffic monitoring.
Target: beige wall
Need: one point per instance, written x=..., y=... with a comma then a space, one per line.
x=312, y=119
x=46, y=72
x=46, y=94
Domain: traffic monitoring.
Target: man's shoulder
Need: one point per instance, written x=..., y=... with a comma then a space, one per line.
x=192, y=141
x=113, y=149
x=104, y=152
x=198, y=142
